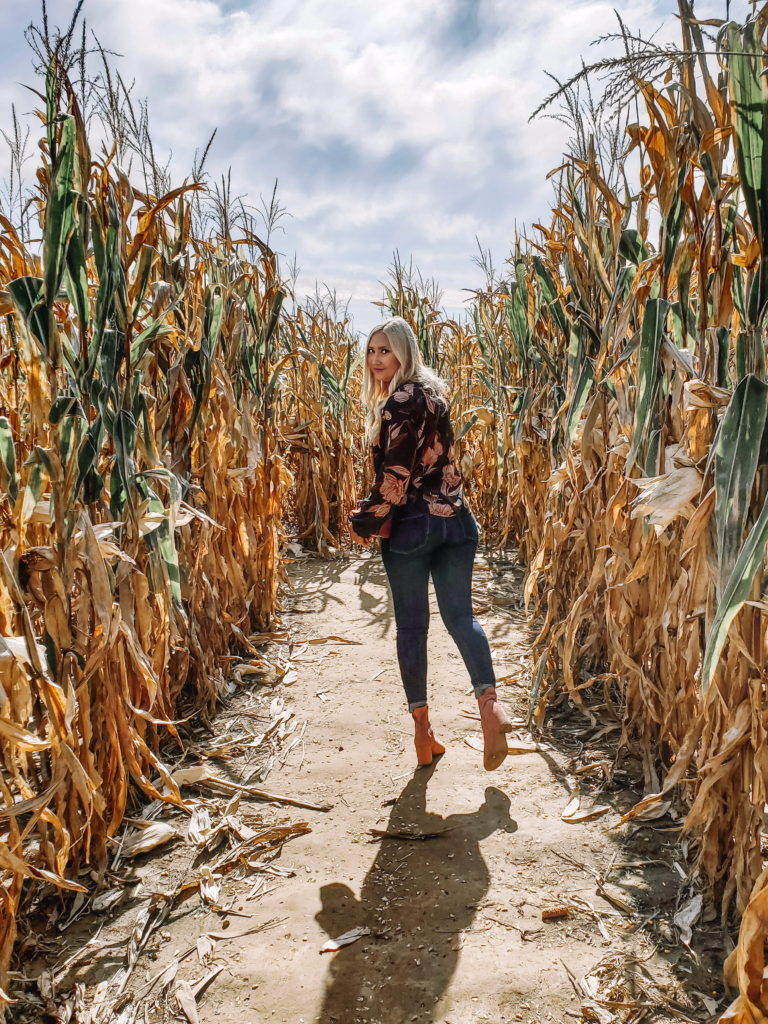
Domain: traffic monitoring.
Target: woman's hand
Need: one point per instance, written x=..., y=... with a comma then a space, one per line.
x=386, y=528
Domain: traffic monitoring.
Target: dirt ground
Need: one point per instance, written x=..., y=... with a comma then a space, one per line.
x=452, y=906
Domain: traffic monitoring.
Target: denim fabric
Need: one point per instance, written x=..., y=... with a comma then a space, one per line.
x=443, y=547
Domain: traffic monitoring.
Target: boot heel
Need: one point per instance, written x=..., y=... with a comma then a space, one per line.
x=427, y=747
x=495, y=725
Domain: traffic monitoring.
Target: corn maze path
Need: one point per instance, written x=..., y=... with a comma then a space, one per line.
x=456, y=921
x=455, y=933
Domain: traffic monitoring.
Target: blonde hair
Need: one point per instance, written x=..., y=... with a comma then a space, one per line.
x=412, y=367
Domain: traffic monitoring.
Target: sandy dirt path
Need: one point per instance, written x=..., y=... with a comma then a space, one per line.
x=456, y=930
x=455, y=933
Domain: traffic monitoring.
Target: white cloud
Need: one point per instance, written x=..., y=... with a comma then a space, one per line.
x=387, y=125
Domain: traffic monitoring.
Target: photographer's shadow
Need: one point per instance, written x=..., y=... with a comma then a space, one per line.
x=417, y=899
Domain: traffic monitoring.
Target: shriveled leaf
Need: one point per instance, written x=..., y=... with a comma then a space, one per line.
x=156, y=834
x=332, y=639
x=332, y=945
x=185, y=997
x=168, y=977
x=209, y=885
x=574, y=813
x=199, y=825
x=687, y=916
x=654, y=811
x=668, y=497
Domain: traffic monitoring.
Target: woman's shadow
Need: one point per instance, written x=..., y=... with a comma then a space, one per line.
x=417, y=899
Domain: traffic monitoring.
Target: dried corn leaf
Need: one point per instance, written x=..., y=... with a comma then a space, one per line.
x=687, y=916
x=185, y=997
x=205, y=946
x=157, y=833
x=574, y=813
x=332, y=945
x=209, y=885
x=168, y=977
x=333, y=639
x=10, y=862
x=199, y=828
x=665, y=498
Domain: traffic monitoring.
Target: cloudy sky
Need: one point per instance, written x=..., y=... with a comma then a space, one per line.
x=389, y=126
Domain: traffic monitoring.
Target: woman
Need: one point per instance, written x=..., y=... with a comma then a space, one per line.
x=417, y=508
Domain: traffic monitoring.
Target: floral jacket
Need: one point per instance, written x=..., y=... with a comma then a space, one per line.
x=413, y=460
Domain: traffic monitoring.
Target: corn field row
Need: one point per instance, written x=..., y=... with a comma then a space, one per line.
x=142, y=492
x=168, y=417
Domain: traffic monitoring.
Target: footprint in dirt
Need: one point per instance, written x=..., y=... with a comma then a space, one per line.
x=416, y=900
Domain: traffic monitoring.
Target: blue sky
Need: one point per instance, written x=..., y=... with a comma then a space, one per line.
x=399, y=125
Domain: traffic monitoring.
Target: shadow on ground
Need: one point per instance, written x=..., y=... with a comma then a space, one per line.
x=417, y=898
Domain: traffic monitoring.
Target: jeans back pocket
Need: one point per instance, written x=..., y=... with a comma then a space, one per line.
x=469, y=525
x=410, y=533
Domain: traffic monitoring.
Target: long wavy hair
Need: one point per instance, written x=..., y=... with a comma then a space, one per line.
x=412, y=367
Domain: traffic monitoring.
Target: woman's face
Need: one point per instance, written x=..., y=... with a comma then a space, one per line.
x=382, y=362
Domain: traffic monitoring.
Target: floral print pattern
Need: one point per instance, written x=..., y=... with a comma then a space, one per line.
x=413, y=461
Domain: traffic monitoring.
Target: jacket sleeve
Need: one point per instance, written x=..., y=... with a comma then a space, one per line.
x=403, y=418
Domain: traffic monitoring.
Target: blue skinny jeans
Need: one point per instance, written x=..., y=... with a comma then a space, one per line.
x=423, y=545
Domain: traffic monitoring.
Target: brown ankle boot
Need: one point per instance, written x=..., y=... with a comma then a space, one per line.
x=495, y=725
x=427, y=746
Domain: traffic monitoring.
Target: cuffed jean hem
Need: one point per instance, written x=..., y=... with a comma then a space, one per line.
x=412, y=705
x=480, y=688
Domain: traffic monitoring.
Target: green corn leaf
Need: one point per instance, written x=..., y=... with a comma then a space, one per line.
x=70, y=434
x=578, y=400
x=214, y=315
x=651, y=340
x=749, y=95
x=467, y=426
x=144, y=268
x=77, y=278
x=729, y=214
x=538, y=678
x=575, y=354
x=735, y=593
x=111, y=355
x=29, y=298
x=737, y=449
x=123, y=469
x=163, y=539
x=517, y=313
x=677, y=324
x=197, y=366
x=673, y=222
x=60, y=212
x=549, y=294
x=631, y=246
x=51, y=104
x=157, y=329
x=32, y=491
x=8, y=458
x=65, y=405
x=104, y=301
x=521, y=407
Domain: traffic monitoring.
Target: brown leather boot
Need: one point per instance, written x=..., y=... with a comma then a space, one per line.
x=495, y=725
x=427, y=746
